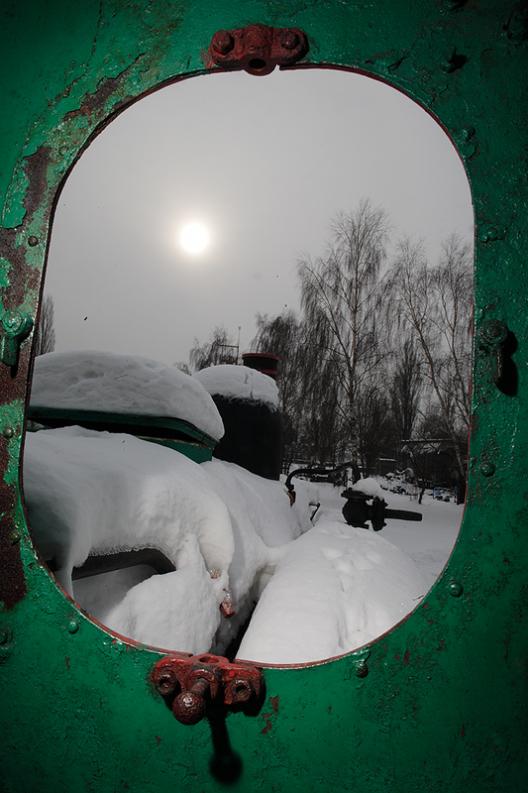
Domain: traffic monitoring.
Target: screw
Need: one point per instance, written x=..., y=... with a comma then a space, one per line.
x=455, y=589
x=33, y=241
x=73, y=626
x=289, y=39
x=223, y=42
x=8, y=432
x=487, y=469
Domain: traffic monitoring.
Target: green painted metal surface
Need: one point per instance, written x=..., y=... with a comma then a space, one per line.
x=172, y=432
x=443, y=706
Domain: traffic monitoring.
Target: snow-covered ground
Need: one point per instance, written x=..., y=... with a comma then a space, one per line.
x=234, y=540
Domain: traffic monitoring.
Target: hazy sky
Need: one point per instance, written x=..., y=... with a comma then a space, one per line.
x=265, y=163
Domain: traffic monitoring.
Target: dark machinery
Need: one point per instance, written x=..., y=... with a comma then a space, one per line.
x=357, y=511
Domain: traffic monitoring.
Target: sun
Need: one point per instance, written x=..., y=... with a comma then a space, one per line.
x=194, y=237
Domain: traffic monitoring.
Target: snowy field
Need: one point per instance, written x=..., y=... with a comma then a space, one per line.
x=320, y=589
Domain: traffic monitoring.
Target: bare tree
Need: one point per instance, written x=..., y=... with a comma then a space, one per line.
x=45, y=333
x=341, y=296
x=406, y=387
x=434, y=304
x=219, y=349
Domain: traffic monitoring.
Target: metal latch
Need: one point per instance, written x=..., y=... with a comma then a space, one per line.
x=190, y=684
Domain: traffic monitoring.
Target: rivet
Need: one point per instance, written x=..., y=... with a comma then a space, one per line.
x=15, y=536
x=73, y=626
x=493, y=332
x=8, y=432
x=487, y=469
x=64, y=149
x=32, y=240
x=455, y=589
x=362, y=669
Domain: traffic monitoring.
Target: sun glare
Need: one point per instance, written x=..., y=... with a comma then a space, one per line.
x=194, y=237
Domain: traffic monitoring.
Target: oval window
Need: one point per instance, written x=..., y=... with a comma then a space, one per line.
x=249, y=411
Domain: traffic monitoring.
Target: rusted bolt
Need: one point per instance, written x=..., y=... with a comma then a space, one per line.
x=289, y=39
x=189, y=706
x=241, y=690
x=166, y=682
x=32, y=241
x=223, y=42
x=73, y=626
x=14, y=537
x=487, y=469
x=455, y=589
x=8, y=433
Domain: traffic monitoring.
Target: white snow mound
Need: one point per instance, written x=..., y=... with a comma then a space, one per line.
x=239, y=382
x=335, y=589
x=97, y=492
x=369, y=486
x=116, y=383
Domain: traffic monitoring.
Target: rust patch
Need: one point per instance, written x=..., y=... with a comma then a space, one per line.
x=12, y=580
x=36, y=171
x=67, y=661
x=22, y=277
x=269, y=725
x=406, y=657
x=274, y=702
x=463, y=731
x=158, y=739
x=106, y=87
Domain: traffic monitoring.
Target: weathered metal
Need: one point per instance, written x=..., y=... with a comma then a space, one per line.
x=357, y=511
x=443, y=705
x=257, y=49
x=190, y=684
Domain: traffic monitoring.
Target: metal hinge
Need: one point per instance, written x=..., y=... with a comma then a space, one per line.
x=190, y=684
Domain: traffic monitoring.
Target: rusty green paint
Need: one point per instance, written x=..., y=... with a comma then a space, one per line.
x=443, y=705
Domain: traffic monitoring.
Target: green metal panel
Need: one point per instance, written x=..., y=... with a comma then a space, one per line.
x=174, y=433
x=443, y=706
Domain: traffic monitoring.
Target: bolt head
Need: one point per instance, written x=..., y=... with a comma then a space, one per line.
x=455, y=589
x=362, y=669
x=73, y=626
x=32, y=241
x=223, y=42
x=289, y=39
x=189, y=707
x=8, y=432
x=487, y=469
x=15, y=536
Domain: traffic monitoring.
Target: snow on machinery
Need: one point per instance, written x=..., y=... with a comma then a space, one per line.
x=357, y=510
x=128, y=520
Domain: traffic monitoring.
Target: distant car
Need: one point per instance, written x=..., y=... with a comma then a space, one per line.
x=440, y=494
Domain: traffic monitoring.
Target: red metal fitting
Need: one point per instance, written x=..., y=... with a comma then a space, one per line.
x=189, y=683
x=256, y=48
